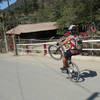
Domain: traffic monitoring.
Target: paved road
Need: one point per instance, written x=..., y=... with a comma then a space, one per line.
x=39, y=78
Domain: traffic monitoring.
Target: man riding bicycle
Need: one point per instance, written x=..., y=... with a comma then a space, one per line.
x=72, y=49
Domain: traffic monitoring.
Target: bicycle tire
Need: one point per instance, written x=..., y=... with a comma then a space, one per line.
x=73, y=72
x=55, y=52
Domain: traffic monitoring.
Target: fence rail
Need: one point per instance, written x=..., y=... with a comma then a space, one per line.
x=42, y=47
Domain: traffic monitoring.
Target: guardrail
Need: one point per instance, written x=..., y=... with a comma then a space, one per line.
x=42, y=47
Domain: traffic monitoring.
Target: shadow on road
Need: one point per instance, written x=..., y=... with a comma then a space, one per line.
x=94, y=96
x=86, y=74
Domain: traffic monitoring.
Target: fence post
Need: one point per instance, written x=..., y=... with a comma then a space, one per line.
x=27, y=51
x=14, y=45
x=45, y=49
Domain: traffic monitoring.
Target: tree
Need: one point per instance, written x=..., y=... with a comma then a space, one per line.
x=3, y=16
x=68, y=14
x=25, y=7
x=34, y=5
x=8, y=2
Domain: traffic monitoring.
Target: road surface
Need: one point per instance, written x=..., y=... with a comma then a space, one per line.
x=39, y=78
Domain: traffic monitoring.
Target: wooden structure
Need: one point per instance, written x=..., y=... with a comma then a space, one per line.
x=30, y=31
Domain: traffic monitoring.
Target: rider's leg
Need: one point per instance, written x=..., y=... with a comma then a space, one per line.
x=65, y=64
x=65, y=57
x=64, y=61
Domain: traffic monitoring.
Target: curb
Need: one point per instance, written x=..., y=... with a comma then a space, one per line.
x=87, y=58
x=84, y=58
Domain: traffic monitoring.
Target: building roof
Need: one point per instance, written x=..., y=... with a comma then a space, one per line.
x=27, y=28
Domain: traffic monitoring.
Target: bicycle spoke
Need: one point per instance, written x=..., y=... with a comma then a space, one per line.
x=55, y=52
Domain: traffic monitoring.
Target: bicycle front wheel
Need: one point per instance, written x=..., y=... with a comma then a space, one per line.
x=73, y=72
x=55, y=52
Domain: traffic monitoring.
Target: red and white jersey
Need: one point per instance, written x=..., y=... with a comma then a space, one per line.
x=72, y=43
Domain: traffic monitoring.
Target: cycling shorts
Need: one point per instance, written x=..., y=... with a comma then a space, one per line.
x=68, y=54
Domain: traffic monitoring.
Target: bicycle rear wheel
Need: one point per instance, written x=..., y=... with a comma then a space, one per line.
x=55, y=52
x=73, y=72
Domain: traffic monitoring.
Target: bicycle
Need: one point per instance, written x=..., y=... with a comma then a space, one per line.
x=56, y=52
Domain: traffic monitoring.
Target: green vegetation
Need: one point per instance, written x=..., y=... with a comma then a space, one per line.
x=64, y=12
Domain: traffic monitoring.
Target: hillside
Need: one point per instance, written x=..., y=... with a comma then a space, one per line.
x=20, y=3
x=64, y=12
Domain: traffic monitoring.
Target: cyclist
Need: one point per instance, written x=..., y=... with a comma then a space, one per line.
x=71, y=51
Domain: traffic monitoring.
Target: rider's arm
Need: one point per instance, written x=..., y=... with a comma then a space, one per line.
x=65, y=42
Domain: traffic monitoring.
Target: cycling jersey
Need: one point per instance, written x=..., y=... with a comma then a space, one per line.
x=72, y=44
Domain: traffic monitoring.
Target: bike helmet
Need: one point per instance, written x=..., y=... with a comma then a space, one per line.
x=71, y=27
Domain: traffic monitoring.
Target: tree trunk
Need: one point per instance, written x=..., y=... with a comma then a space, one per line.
x=8, y=5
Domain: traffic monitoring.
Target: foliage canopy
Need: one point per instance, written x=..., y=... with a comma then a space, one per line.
x=64, y=12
